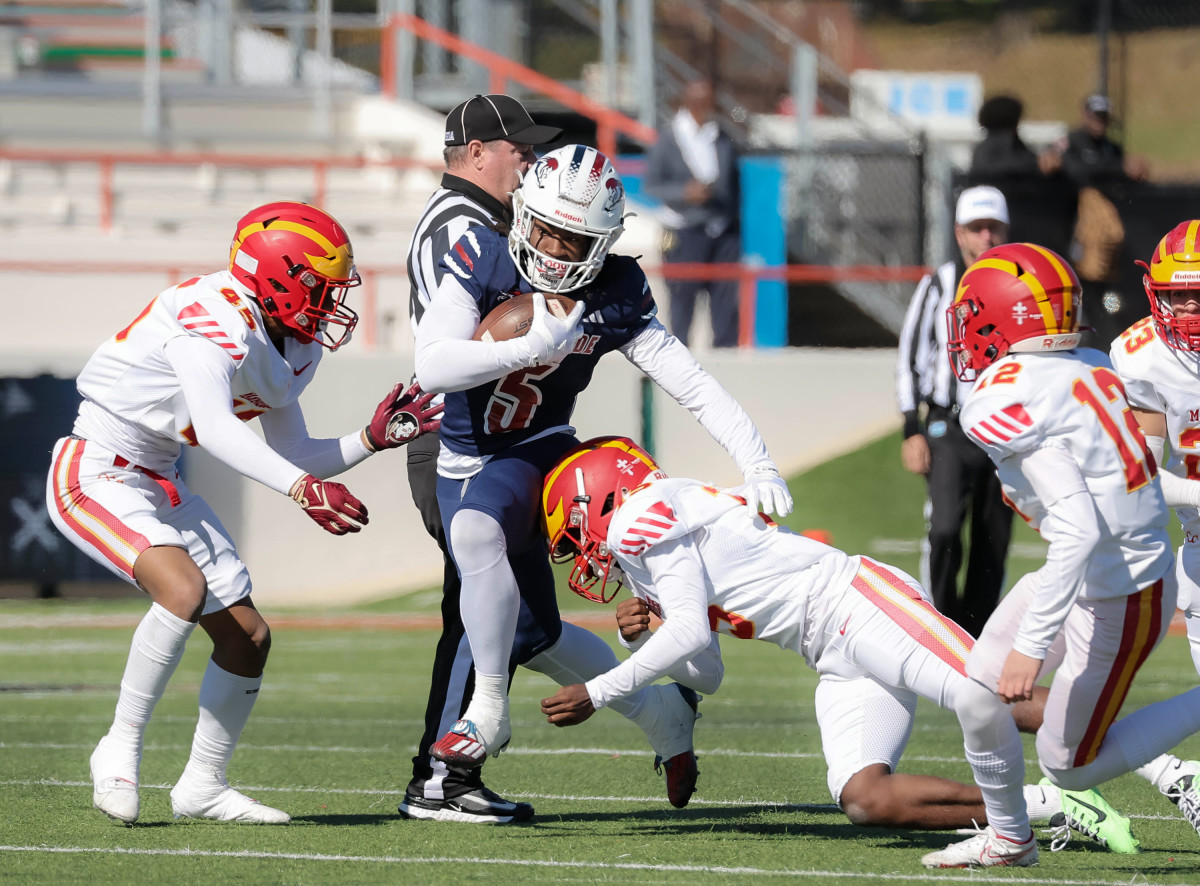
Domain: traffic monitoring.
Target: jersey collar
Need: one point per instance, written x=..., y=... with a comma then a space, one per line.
x=495, y=208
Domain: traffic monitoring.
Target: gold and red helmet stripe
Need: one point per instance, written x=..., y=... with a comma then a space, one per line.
x=1181, y=244
x=1044, y=274
x=330, y=255
x=1176, y=261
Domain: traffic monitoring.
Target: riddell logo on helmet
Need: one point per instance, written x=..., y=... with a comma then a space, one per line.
x=575, y=218
x=1185, y=277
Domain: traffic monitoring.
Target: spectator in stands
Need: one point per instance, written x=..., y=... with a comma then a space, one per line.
x=1040, y=200
x=955, y=473
x=1002, y=155
x=693, y=169
x=1094, y=164
x=1089, y=157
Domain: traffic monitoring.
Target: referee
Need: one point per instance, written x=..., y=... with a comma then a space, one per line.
x=489, y=147
x=958, y=473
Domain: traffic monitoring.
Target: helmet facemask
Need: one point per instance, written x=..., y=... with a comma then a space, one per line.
x=572, y=189
x=595, y=574
x=324, y=301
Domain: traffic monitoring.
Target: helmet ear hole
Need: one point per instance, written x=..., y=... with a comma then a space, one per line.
x=608, y=503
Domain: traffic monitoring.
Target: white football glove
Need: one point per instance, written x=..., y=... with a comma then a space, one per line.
x=550, y=340
x=764, y=490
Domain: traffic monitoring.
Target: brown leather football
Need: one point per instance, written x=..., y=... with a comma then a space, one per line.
x=512, y=318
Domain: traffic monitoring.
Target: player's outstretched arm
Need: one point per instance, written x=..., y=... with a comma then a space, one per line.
x=672, y=367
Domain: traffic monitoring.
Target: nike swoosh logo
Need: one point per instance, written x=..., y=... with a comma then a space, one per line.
x=302, y=368
x=1100, y=815
x=842, y=630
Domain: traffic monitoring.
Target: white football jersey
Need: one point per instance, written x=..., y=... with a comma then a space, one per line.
x=133, y=403
x=763, y=581
x=1160, y=378
x=1075, y=401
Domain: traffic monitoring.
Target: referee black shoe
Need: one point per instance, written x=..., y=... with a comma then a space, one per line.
x=476, y=805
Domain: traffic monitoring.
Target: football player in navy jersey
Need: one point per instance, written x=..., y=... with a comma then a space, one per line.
x=507, y=421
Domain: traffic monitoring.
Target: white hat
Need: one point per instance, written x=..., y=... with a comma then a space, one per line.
x=983, y=201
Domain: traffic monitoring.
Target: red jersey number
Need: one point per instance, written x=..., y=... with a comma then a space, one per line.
x=1105, y=396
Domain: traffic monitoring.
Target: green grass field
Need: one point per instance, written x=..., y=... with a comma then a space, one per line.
x=340, y=713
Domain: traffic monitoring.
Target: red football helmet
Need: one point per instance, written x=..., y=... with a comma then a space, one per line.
x=1017, y=298
x=1175, y=267
x=298, y=263
x=579, y=497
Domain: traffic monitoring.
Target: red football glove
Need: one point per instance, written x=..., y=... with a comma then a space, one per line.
x=402, y=417
x=330, y=504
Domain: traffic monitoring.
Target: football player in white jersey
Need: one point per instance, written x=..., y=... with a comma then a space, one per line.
x=203, y=358
x=1158, y=359
x=1054, y=419
x=707, y=566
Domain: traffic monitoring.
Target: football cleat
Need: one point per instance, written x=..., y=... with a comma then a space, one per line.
x=1186, y=795
x=682, y=772
x=985, y=849
x=464, y=746
x=1088, y=813
x=203, y=792
x=115, y=782
x=1179, y=770
x=671, y=737
x=480, y=805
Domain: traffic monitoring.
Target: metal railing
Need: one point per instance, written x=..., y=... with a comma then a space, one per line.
x=501, y=71
x=369, y=333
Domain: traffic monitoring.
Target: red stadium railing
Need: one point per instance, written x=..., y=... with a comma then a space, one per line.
x=107, y=161
x=608, y=122
x=368, y=331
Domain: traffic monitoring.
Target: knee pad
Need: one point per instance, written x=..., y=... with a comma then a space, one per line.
x=477, y=541
x=985, y=719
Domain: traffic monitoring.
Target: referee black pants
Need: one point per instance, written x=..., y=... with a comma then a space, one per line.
x=961, y=477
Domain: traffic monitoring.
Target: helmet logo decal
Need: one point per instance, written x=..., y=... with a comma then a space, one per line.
x=616, y=193
x=544, y=167
x=625, y=466
x=1020, y=312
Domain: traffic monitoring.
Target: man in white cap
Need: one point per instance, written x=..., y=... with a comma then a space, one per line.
x=937, y=448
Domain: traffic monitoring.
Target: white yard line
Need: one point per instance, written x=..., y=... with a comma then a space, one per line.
x=537, y=863
x=527, y=795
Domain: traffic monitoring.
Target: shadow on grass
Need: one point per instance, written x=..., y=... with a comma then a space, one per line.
x=343, y=820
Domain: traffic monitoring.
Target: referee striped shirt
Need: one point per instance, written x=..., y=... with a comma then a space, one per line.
x=455, y=206
x=923, y=370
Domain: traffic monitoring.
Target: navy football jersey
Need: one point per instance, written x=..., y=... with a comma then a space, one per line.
x=498, y=414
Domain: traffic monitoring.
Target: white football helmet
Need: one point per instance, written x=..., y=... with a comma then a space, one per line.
x=574, y=188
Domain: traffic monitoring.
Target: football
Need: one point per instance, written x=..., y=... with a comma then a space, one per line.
x=511, y=319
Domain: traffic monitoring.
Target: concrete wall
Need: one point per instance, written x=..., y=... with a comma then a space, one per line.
x=809, y=405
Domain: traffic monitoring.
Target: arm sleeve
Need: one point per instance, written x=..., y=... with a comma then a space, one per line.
x=908, y=373
x=678, y=579
x=1072, y=528
x=205, y=375
x=287, y=434
x=446, y=357
x=667, y=361
x=704, y=672
x=1178, y=492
